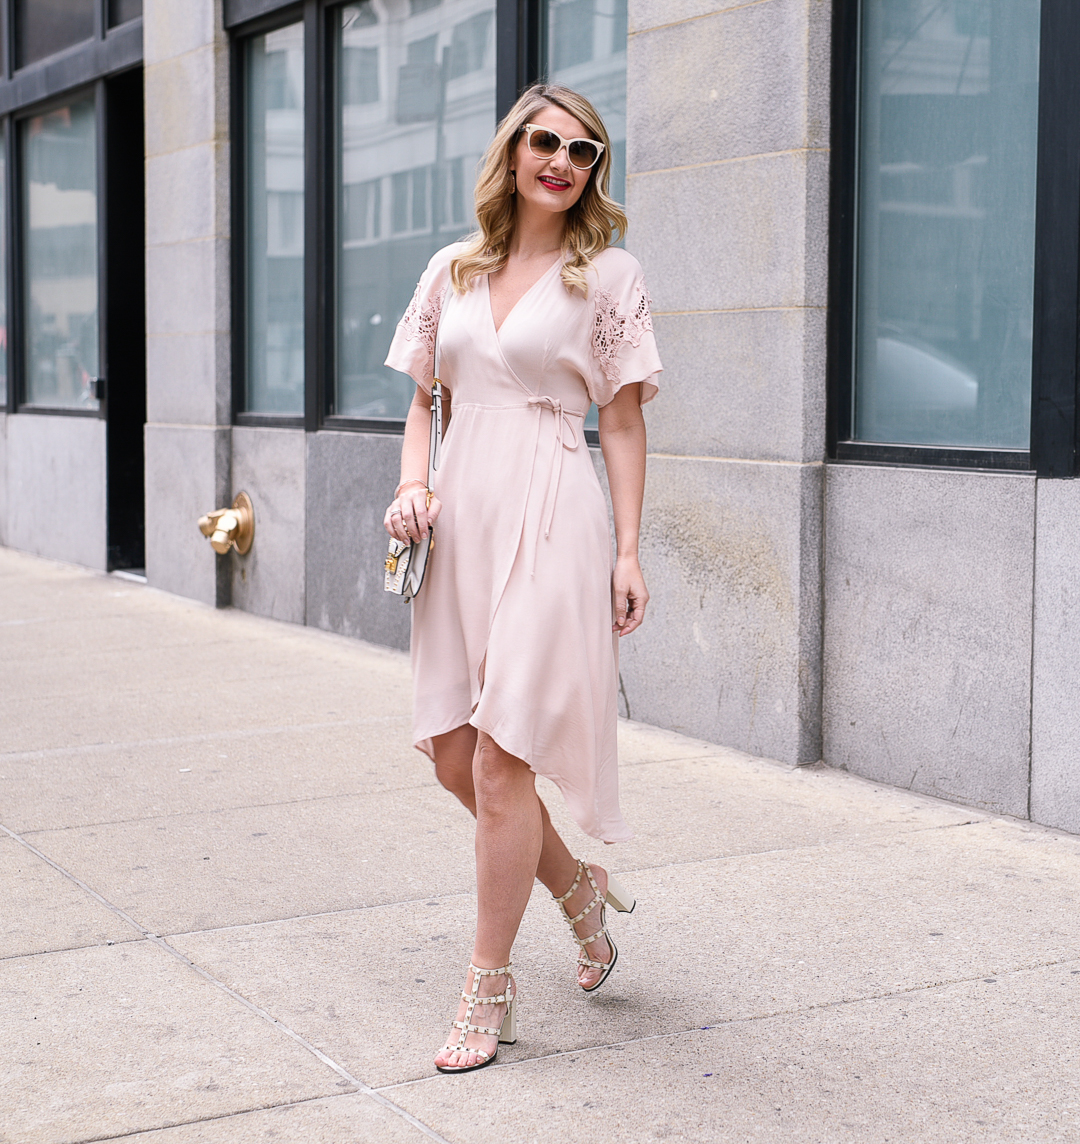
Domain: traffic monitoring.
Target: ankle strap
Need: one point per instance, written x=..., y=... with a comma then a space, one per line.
x=478, y=972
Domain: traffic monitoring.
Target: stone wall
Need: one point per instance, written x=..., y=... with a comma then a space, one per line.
x=728, y=190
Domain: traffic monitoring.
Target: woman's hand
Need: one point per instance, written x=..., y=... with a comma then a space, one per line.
x=631, y=595
x=409, y=517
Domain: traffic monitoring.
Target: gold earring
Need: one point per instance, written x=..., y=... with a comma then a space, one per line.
x=513, y=182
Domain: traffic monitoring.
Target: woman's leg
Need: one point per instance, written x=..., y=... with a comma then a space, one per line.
x=557, y=868
x=509, y=837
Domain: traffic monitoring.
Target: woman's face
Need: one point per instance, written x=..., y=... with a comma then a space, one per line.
x=553, y=184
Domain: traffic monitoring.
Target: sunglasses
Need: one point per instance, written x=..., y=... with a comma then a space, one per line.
x=545, y=144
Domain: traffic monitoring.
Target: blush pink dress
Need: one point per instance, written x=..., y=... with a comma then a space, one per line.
x=512, y=628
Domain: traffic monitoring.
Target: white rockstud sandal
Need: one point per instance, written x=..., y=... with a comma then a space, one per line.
x=617, y=897
x=507, y=1031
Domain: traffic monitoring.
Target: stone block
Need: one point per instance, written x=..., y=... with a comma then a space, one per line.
x=730, y=647
x=171, y=29
x=187, y=194
x=646, y=14
x=740, y=234
x=350, y=481
x=927, y=649
x=187, y=99
x=1055, y=714
x=188, y=377
x=725, y=85
x=187, y=475
x=56, y=487
x=187, y=287
x=744, y=384
x=268, y=464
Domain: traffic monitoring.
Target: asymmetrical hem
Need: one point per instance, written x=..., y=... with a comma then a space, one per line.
x=512, y=629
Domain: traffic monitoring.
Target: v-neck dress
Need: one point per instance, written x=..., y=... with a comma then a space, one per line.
x=512, y=628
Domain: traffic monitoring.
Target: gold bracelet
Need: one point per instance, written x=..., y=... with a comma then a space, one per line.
x=410, y=481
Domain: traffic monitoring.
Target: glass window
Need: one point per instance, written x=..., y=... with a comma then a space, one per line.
x=415, y=111
x=60, y=243
x=3, y=284
x=946, y=222
x=46, y=26
x=585, y=49
x=274, y=221
x=120, y=11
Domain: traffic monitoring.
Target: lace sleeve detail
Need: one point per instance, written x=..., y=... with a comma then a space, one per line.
x=611, y=328
x=421, y=320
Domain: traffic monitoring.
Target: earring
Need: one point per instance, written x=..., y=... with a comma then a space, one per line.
x=513, y=182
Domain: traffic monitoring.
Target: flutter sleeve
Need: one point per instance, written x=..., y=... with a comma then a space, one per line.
x=413, y=349
x=623, y=346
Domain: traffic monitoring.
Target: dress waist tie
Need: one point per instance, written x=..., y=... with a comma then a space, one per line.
x=563, y=425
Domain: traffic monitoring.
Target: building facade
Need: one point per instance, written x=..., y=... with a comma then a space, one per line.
x=859, y=222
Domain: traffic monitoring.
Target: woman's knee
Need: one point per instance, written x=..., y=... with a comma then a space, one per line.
x=498, y=774
x=454, y=761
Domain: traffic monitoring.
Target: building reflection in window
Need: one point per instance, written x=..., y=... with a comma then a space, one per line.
x=43, y=27
x=946, y=239
x=274, y=221
x=60, y=237
x=415, y=111
x=585, y=49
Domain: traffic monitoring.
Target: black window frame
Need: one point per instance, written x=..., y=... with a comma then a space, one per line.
x=518, y=48
x=1054, y=443
x=28, y=91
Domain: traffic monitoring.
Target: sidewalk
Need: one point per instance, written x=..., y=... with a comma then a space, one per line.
x=233, y=900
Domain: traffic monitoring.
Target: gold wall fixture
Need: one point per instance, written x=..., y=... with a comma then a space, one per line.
x=230, y=527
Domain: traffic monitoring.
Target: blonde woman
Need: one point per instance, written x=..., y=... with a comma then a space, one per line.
x=515, y=633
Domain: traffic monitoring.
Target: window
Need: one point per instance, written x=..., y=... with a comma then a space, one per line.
x=58, y=185
x=944, y=256
x=3, y=279
x=584, y=47
x=274, y=222
x=120, y=11
x=46, y=26
x=415, y=109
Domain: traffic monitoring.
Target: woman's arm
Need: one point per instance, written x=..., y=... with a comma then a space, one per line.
x=622, y=440
x=416, y=517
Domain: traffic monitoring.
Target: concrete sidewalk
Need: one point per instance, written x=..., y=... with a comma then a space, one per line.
x=236, y=903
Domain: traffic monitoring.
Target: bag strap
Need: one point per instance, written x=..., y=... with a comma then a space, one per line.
x=435, y=436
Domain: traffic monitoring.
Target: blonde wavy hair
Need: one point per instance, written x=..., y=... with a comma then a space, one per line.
x=592, y=223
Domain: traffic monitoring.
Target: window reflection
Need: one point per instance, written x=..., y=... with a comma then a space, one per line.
x=3, y=285
x=59, y=185
x=120, y=11
x=415, y=110
x=948, y=122
x=46, y=26
x=585, y=49
x=274, y=221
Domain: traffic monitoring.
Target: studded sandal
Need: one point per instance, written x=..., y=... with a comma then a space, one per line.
x=618, y=897
x=507, y=1032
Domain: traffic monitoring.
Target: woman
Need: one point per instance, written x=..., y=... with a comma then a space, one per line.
x=514, y=657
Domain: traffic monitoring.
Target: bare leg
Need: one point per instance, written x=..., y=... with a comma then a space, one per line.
x=509, y=836
x=557, y=868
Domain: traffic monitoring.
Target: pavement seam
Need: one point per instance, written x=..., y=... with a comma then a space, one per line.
x=178, y=740
x=229, y=809
x=722, y=1024
x=367, y=1090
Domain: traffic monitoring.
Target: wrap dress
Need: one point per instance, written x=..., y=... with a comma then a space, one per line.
x=512, y=629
